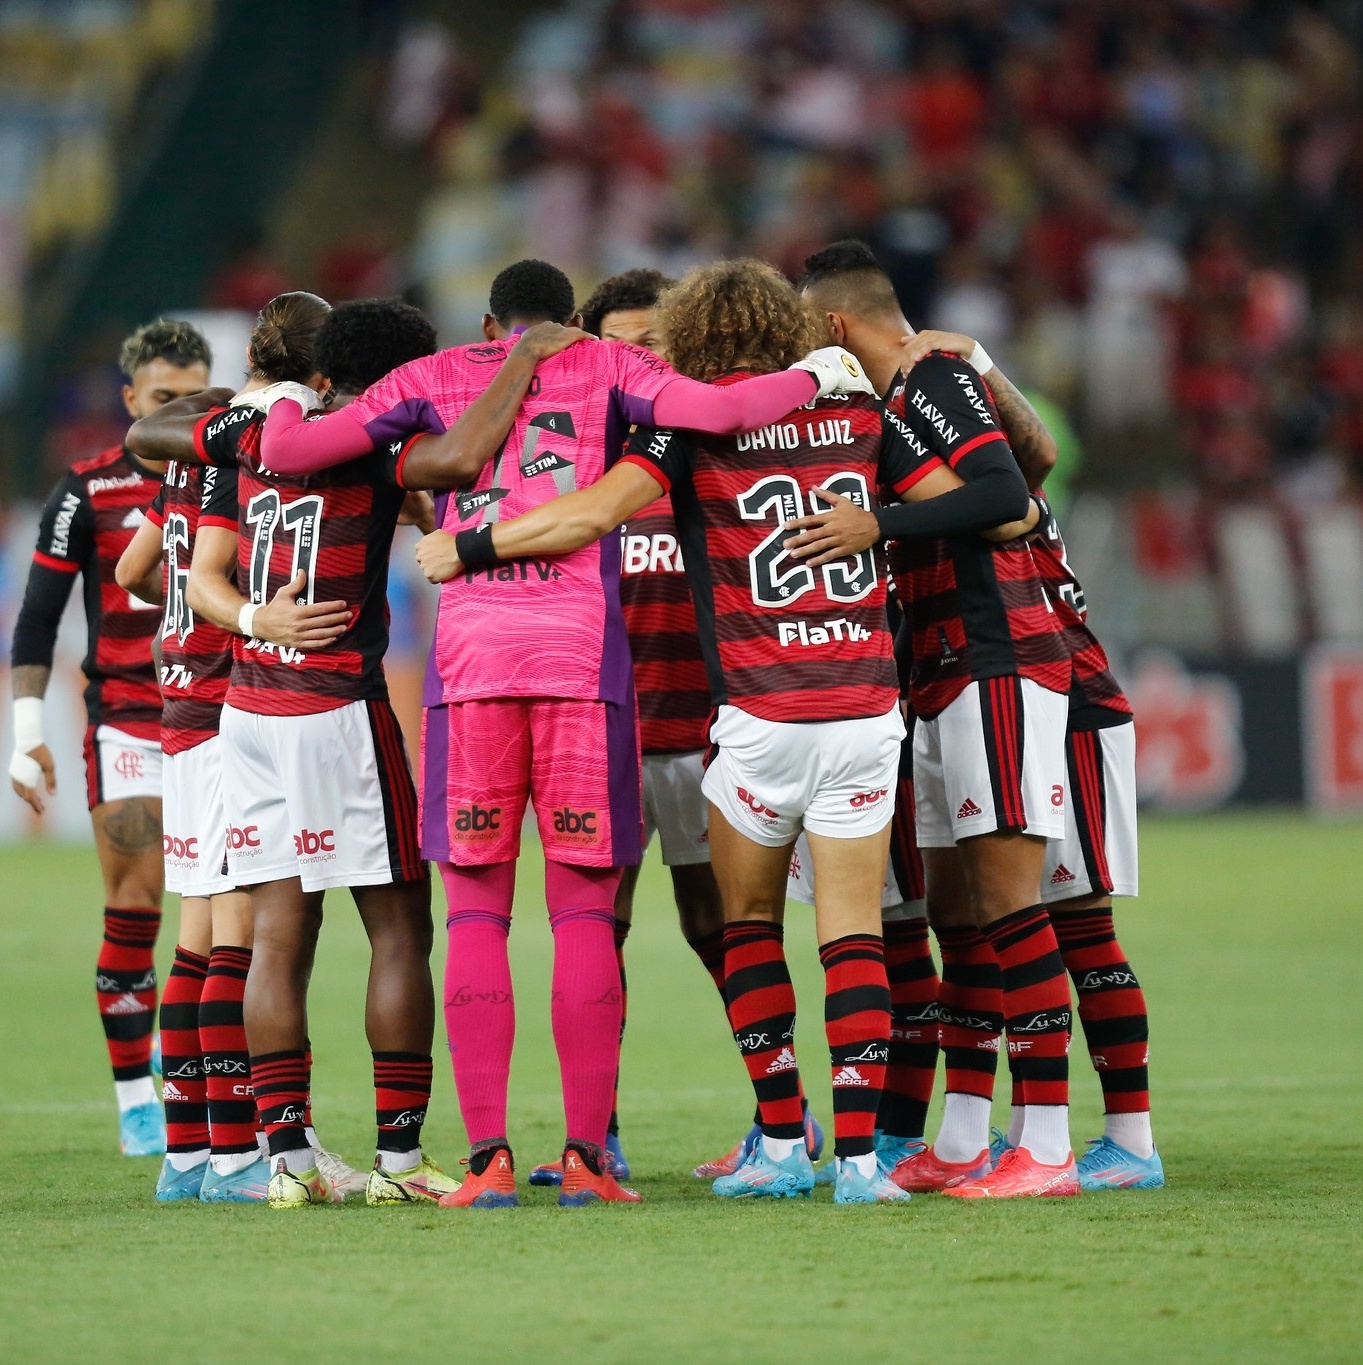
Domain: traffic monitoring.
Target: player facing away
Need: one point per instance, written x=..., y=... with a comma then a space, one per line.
x=212, y=1151
x=1097, y=858
x=532, y=690
x=87, y=523
x=801, y=669
x=316, y=787
x=674, y=711
x=989, y=683
x=969, y=987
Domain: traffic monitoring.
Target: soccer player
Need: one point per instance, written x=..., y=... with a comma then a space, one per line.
x=316, y=787
x=1097, y=858
x=532, y=687
x=801, y=668
x=674, y=712
x=910, y=971
x=990, y=669
x=86, y=524
x=212, y=1151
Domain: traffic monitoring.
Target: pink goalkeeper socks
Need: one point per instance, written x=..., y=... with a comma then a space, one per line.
x=480, y=1011
x=586, y=994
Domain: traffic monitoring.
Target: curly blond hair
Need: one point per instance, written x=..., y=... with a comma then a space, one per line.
x=732, y=315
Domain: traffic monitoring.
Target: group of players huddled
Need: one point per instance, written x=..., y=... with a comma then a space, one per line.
x=753, y=567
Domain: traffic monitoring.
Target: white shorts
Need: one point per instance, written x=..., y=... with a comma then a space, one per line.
x=120, y=766
x=993, y=760
x=894, y=902
x=833, y=777
x=192, y=817
x=902, y=896
x=327, y=798
x=675, y=807
x=1097, y=856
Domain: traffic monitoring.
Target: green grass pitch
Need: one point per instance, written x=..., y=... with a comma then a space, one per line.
x=1248, y=942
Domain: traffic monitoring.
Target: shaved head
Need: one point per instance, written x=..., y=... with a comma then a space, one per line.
x=847, y=278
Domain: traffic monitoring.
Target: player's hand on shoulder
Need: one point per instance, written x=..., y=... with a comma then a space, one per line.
x=284, y=620
x=264, y=399
x=845, y=529
x=32, y=773
x=549, y=338
x=919, y=345
x=438, y=558
x=837, y=370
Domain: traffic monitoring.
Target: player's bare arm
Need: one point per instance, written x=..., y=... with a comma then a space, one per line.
x=1033, y=445
x=168, y=433
x=554, y=528
x=211, y=592
x=139, y=567
x=458, y=456
x=418, y=509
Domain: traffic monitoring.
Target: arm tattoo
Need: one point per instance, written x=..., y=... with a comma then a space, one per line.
x=1033, y=446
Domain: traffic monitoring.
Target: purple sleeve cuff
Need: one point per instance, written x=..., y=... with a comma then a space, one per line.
x=637, y=410
x=406, y=418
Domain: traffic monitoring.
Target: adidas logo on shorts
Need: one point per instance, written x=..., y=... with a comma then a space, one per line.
x=1061, y=875
x=849, y=1075
x=134, y=519
x=783, y=1061
x=968, y=808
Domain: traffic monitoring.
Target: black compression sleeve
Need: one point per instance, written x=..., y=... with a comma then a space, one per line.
x=994, y=493
x=35, y=631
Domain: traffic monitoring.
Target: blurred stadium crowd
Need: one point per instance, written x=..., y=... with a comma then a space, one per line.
x=1150, y=209
x=1150, y=212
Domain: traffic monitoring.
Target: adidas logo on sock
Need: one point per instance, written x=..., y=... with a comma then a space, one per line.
x=968, y=808
x=849, y=1075
x=171, y=1092
x=1061, y=875
x=783, y=1061
x=127, y=1003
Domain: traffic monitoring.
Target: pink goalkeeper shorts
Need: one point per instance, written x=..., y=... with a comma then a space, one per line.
x=578, y=761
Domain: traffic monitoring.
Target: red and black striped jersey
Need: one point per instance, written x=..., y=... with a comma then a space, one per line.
x=1096, y=698
x=196, y=655
x=87, y=523
x=781, y=640
x=973, y=609
x=337, y=526
x=669, y=668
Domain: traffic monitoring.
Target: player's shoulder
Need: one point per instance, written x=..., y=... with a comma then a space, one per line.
x=471, y=355
x=96, y=466
x=220, y=422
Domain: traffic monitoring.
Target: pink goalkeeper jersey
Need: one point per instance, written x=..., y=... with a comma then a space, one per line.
x=529, y=628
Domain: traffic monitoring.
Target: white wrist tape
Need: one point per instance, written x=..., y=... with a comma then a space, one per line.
x=246, y=619
x=979, y=360
x=28, y=724
x=26, y=771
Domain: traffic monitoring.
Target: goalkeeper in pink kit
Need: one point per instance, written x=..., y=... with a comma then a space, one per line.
x=530, y=692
